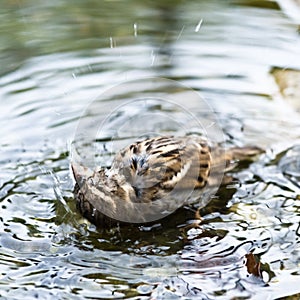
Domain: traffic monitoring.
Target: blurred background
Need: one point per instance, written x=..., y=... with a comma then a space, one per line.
x=241, y=56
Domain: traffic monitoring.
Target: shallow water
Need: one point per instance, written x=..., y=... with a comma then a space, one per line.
x=57, y=59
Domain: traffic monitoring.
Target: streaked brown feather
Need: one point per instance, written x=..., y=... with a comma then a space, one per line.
x=146, y=170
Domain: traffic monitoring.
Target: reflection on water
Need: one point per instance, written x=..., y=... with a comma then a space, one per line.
x=58, y=57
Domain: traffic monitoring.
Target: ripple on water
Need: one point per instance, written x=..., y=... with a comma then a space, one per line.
x=47, y=250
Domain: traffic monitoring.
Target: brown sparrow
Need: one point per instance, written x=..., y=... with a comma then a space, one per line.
x=150, y=179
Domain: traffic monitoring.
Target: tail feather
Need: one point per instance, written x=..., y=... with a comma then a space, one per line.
x=236, y=155
x=244, y=153
x=226, y=160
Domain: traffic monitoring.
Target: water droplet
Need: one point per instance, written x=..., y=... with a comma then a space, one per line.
x=135, y=29
x=111, y=41
x=94, y=212
x=199, y=25
x=180, y=33
x=152, y=58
